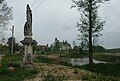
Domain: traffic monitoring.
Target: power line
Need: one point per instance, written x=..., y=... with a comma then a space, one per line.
x=34, y=3
x=39, y=3
x=22, y=18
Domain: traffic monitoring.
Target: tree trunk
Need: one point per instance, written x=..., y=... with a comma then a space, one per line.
x=90, y=33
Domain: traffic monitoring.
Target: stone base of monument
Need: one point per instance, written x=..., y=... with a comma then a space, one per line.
x=27, y=61
x=28, y=65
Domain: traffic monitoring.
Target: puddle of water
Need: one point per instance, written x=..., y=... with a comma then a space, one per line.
x=83, y=61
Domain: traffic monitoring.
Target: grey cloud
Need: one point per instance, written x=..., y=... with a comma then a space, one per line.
x=54, y=18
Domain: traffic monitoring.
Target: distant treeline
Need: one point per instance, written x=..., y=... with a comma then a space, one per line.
x=104, y=50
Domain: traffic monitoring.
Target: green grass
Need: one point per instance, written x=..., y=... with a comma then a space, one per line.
x=105, y=69
x=112, y=58
x=18, y=74
x=98, y=72
x=101, y=72
x=42, y=59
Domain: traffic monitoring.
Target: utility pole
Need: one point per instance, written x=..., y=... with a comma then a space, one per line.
x=12, y=39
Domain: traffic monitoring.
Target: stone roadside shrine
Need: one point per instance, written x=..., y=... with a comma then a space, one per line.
x=28, y=41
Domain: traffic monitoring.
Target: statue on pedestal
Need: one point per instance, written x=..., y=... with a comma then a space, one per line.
x=28, y=41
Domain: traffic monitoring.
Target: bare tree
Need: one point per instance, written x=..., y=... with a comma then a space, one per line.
x=5, y=14
x=5, y=17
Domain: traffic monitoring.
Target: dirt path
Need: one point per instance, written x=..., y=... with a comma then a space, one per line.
x=57, y=72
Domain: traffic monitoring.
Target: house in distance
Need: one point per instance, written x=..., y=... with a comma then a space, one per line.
x=43, y=47
x=60, y=46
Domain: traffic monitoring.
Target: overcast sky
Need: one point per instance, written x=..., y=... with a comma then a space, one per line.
x=54, y=18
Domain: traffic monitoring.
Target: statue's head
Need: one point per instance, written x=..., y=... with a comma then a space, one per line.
x=27, y=5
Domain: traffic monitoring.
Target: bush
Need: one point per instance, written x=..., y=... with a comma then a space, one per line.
x=65, y=63
x=42, y=59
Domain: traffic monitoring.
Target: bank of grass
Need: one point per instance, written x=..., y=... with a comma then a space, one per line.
x=105, y=69
x=98, y=77
x=43, y=59
x=103, y=72
x=107, y=57
x=19, y=74
x=98, y=72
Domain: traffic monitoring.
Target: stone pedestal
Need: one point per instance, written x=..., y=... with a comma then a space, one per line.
x=28, y=52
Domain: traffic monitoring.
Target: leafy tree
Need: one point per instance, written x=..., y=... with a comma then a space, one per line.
x=98, y=48
x=57, y=45
x=76, y=50
x=9, y=42
x=5, y=14
x=90, y=23
x=15, y=45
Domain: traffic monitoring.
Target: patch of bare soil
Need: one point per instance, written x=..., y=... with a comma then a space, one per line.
x=57, y=73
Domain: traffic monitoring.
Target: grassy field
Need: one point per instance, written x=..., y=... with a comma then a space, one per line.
x=105, y=72
x=98, y=72
x=107, y=57
x=18, y=74
x=57, y=71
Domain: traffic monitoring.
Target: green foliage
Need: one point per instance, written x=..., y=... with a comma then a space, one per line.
x=105, y=69
x=29, y=73
x=18, y=74
x=83, y=6
x=4, y=49
x=98, y=48
x=99, y=77
x=117, y=50
x=90, y=24
x=107, y=57
x=42, y=59
x=57, y=46
x=16, y=46
x=102, y=72
x=65, y=63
